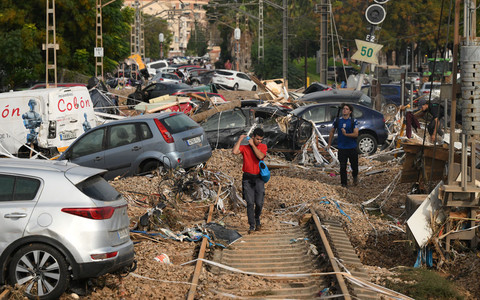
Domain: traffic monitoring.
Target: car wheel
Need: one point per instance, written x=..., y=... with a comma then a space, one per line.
x=389, y=109
x=254, y=88
x=195, y=83
x=152, y=166
x=366, y=144
x=235, y=87
x=41, y=270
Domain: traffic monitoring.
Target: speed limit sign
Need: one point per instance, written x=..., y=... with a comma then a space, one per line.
x=367, y=51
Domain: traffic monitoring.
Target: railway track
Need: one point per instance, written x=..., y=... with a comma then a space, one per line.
x=300, y=261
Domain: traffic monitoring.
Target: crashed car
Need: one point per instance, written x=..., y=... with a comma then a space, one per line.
x=371, y=123
x=283, y=133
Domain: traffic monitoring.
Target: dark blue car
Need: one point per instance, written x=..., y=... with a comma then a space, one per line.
x=371, y=123
x=391, y=92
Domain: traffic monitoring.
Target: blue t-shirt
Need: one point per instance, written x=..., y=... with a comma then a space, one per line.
x=345, y=142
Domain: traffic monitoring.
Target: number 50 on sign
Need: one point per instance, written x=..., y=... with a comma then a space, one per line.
x=367, y=51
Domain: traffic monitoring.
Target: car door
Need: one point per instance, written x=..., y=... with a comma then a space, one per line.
x=124, y=145
x=244, y=82
x=89, y=150
x=159, y=89
x=320, y=116
x=18, y=197
x=224, y=128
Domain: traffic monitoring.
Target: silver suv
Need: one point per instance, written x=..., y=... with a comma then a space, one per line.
x=59, y=222
x=141, y=144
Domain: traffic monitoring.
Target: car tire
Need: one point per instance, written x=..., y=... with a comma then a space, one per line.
x=389, y=109
x=254, y=88
x=151, y=166
x=235, y=87
x=50, y=269
x=195, y=83
x=366, y=144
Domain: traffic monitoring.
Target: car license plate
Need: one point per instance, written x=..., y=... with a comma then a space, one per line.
x=67, y=135
x=194, y=141
x=123, y=233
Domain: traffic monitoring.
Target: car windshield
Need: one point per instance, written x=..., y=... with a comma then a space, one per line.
x=179, y=123
x=365, y=100
x=98, y=188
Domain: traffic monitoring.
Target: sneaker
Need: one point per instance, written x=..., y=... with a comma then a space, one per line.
x=344, y=185
x=251, y=230
x=258, y=228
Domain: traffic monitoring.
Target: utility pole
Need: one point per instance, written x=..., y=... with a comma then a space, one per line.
x=285, y=44
x=375, y=14
x=261, y=51
x=98, y=41
x=323, y=8
x=50, y=43
x=98, y=52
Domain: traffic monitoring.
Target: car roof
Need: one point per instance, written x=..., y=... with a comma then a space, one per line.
x=348, y=95
x=307, y=106
x=40, y=168
x=136, y=118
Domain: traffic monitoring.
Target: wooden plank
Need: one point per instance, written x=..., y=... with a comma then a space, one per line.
x=201, y=254
x=228, y=105
x=4, y=295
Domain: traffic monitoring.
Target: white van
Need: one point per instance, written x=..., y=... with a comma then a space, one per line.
x=153, y=66
x=48, y=120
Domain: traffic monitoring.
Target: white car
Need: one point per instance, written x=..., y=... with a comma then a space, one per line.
x=153, y=66
x=425, y=90
x=234, y=80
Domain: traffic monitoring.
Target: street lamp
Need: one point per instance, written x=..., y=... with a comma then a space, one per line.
x=161, y=39
x=236, y=34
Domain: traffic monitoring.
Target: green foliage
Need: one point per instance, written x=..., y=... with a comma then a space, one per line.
x=80, y=60
x=21, y=59
x=197, y=44
x=424, y=284
x=272, y=66
x=153, y=27
x=23, y=31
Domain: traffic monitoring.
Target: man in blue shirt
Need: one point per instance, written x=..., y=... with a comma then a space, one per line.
x=347, y=142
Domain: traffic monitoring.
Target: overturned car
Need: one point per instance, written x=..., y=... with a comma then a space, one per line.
x=283, y=132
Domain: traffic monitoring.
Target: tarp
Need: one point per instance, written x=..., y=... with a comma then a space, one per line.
x=102, y=103
x=138, y=60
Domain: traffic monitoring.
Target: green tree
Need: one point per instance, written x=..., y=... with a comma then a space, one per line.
x=22, y=27
x=153, y=27
x=197, y=44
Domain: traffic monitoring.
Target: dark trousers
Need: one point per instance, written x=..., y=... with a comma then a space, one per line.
x=253, y=189
x=343, y=156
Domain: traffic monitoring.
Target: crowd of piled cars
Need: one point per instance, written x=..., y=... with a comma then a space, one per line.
x=38, y=252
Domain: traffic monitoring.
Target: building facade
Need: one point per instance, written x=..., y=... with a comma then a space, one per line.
x=181, y=17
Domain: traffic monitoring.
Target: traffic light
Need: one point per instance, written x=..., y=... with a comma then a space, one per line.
x=375, y=14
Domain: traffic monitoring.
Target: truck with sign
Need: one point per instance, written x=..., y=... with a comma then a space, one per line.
x=47, y=120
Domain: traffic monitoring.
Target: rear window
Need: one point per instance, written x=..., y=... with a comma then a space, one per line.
x=224, y=73
x=98, y=188
x=179, y=123
x=171, y=76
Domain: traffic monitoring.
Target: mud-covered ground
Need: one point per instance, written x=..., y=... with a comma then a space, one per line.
x=377, y=235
